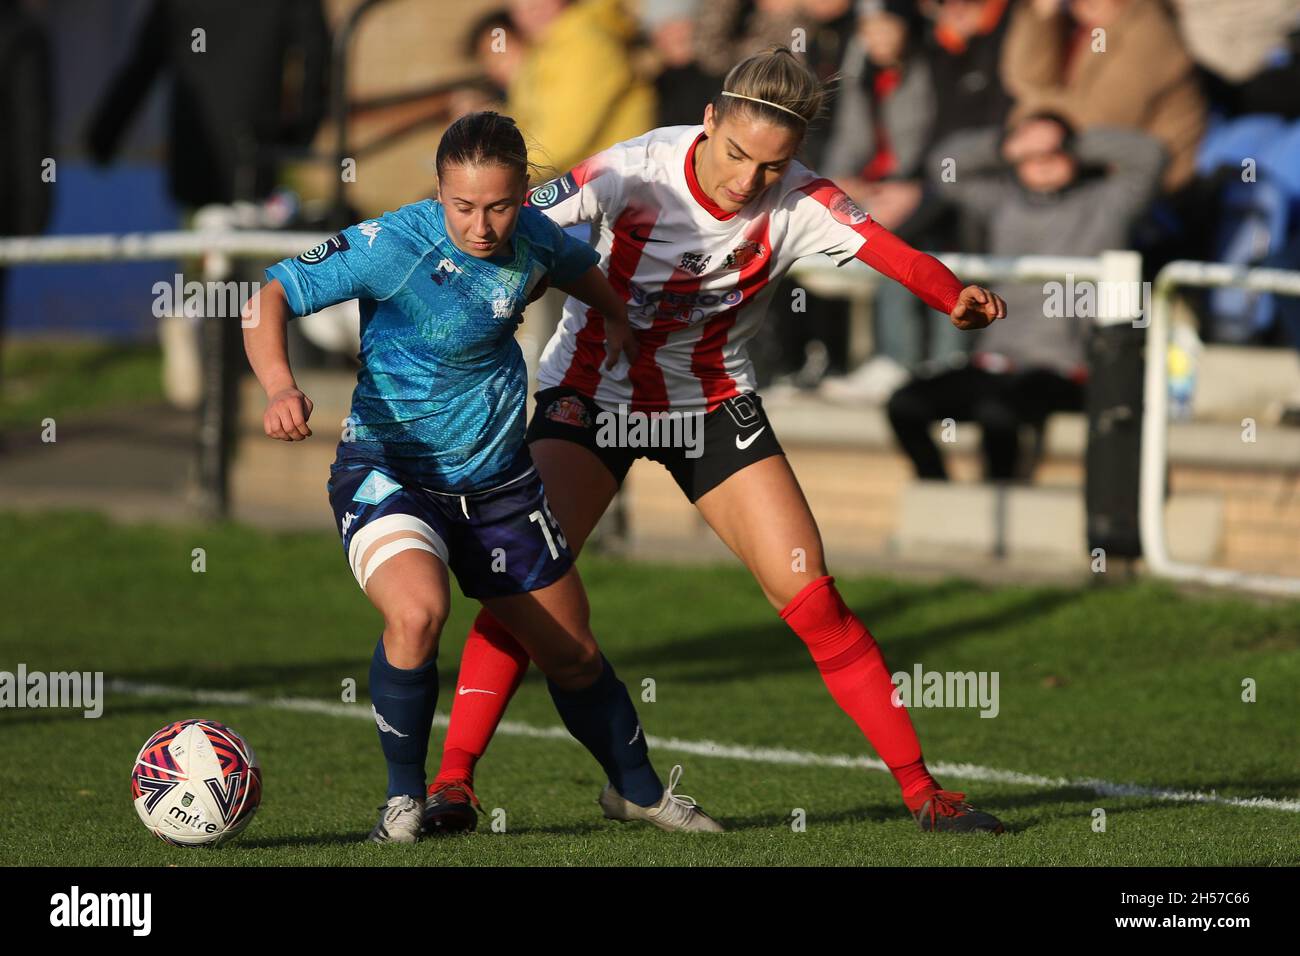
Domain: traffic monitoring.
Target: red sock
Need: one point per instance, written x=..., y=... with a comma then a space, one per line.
x=491, y=668
x=855, y=673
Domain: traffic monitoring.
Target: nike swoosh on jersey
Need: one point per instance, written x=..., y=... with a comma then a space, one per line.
x=742, y=445
x=639, y=238
x=463, y=690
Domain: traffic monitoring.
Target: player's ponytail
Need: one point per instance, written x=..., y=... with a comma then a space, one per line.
x=773, y=86
x=483, y=139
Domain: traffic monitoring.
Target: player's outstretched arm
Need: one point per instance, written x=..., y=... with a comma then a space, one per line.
x=969, y=307
x=264, y=318
x=594, y=289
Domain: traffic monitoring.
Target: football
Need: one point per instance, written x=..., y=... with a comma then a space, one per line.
x=196, y=783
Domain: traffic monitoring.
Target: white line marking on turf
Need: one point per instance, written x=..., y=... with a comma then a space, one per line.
x=709, y=748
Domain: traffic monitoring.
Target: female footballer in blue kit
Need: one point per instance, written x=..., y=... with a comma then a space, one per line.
x=432, y=471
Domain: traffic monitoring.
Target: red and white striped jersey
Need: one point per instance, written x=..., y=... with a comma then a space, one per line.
x=697, y=280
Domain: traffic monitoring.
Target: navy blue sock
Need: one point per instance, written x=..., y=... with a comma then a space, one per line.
x=601, y=717
x=403, y=702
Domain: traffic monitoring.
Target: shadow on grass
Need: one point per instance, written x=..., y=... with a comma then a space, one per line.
x=354, y=838
x=717, y=656
x=1010, y=809
x=358, y=837
x=735, y=653
x=873, y=813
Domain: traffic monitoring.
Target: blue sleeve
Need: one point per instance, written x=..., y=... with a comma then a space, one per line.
x=572, y=259
x=370, y=260
x=564, y=257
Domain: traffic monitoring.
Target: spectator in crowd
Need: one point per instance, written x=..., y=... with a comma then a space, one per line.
x=495, y=45
x=817, y=343
x=904, y=86
x=229, y=104
x=830, y=25
x=1250, y=50
x=682, y=87
x=964, y=52
x=1108, y=62
x=885, y=114
x=727, y=31
x=1041, y=190
x=878, y=133
x=577, y=91
x=26, y=119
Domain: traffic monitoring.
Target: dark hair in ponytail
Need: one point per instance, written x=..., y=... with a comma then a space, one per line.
x=483, y=139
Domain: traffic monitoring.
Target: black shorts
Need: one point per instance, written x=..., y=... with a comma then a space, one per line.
x=700, y=450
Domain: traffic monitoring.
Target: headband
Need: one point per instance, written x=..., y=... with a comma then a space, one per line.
x=775, y=106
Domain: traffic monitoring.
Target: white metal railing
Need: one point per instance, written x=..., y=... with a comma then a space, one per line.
x=148, y=246
x=1155, y=420
x=217, y=246
x=1122, y=268
x=857, y=282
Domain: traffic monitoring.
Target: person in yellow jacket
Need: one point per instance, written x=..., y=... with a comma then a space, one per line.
x=578, y=89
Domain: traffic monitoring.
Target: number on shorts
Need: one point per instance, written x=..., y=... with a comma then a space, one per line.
x=546, y=532
x=559, y=535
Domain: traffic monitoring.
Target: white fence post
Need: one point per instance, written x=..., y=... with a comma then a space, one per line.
x=1119, y=293
x=1155, y=421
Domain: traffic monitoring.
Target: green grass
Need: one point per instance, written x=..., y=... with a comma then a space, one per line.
x=1134, y=684
x=52, y=379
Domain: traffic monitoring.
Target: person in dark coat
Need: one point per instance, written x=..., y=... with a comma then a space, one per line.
x=26, y=130
x=232, y=96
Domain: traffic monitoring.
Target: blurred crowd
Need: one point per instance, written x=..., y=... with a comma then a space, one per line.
x=1006, y=127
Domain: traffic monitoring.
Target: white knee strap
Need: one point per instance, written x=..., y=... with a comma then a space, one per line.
x=427, y=540
x=384, y=552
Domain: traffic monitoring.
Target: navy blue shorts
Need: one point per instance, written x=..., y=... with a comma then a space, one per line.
x=497, y=542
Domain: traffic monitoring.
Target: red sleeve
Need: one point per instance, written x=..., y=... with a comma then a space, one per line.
x=837, y=225
x=924, y=276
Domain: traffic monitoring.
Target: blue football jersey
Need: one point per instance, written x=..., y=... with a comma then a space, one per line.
x=439, y=399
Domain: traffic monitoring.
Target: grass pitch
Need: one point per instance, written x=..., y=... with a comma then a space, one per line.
x=1124, y=685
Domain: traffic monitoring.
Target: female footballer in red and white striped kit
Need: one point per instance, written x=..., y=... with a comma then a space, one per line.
x=696, y=228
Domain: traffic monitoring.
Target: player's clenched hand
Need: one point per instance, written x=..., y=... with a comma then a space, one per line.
x=286, y=415
x=977, y=308
x=620, y=340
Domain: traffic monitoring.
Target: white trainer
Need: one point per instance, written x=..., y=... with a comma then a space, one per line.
x=674, y=811
x=401, y=820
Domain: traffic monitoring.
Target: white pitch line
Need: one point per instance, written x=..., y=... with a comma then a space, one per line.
x=709, y=748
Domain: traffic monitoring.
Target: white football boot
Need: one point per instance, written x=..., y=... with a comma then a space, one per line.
x=674, y=811
x=401, y=820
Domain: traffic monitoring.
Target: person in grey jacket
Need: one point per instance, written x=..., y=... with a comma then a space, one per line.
x=885, y=100
x=1040, y=189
